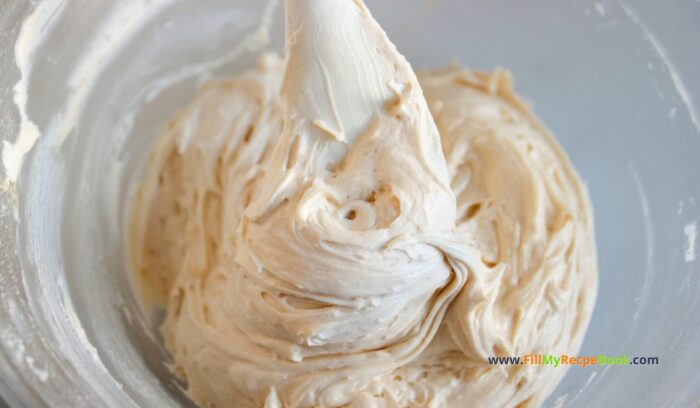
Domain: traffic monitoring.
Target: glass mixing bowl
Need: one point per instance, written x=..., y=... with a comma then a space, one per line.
x=616, y=81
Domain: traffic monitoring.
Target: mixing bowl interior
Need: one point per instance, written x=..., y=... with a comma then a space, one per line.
x=615, y=82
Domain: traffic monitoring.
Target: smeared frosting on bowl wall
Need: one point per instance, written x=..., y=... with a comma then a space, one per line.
x=332, y=229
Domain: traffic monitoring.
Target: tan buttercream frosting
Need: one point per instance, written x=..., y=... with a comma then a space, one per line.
x=331, y=230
